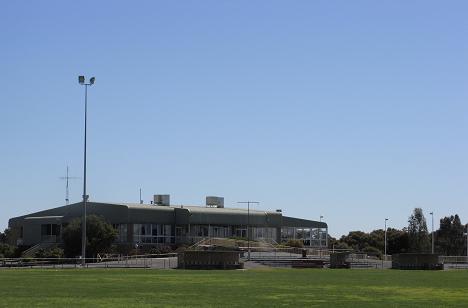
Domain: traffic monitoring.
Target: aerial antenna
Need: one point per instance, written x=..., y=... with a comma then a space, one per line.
x=68, y=178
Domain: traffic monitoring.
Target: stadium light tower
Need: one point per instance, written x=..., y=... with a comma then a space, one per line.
x=81, y=80
x=432, y=214
x=385, y=239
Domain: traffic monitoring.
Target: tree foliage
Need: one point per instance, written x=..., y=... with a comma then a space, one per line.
x=99, y=236
x=450, y=239
x=359, y=240
x=6, y=251
x=4, y=236
x=418, y=236
x=56, y=253
x=397, y=241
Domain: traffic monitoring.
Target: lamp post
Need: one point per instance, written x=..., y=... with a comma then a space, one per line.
x=248, y=226
x=432, y=214
x=385, y=243
x=81, y=80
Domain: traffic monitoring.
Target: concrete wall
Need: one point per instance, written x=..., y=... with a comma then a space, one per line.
x=416, y=261
x=210, y=259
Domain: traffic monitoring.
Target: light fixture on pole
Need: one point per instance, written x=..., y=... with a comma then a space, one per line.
x=432, y=214
x=81, y=80
x=248, y=226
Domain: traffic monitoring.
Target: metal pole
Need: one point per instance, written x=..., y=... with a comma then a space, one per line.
x=248, y=226
x=83, y=238
x=432, y=214
x=386, y=239
x=248, y=229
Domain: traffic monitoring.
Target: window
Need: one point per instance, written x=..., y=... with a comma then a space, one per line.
x=152, y=233
x=201, y=230
x=122, y=231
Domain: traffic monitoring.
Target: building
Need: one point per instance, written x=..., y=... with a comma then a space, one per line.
x=147, y=225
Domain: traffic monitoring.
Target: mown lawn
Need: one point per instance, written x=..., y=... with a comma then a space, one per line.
x=250, y=288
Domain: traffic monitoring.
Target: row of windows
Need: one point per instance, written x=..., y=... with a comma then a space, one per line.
x=304, y=233
x=159, y=233
x=313, y=237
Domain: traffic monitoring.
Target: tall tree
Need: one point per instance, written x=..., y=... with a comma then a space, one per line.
x=397, y=241
x=356, y=239
x=4, y=236
x=99, y=236
x=450, y=238
x=418, y=236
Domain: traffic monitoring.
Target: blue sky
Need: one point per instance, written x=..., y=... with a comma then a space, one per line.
x=351, y=110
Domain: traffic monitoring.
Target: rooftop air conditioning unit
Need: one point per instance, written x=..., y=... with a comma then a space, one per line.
x=215, y=201
x=163, y=200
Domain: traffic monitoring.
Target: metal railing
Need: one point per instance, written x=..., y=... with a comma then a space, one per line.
x=51, y=242
x=138, y=261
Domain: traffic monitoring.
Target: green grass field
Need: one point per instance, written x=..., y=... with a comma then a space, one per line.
x=249, y=288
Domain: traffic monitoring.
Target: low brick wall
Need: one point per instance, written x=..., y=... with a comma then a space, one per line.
x=417, y=261
x=209, y=259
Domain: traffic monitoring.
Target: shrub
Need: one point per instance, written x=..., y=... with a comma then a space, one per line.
x=134, y=252
x=242, y=238
x=40, y=253
x=55, y=253
x=377, y=252
x=183, y=246
x=6, y=251
x=294, y=243
x=160, y=249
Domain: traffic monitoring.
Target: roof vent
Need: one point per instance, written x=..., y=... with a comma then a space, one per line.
x=279, y=211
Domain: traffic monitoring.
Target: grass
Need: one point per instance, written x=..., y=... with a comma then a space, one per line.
x=252, y=288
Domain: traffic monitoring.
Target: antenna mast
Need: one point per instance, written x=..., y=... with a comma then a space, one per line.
x=68, y=178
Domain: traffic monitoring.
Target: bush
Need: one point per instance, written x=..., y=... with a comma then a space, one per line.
x=374, y=250
x=294, y=243
x=160, y=249
x=242, y=238
x=6, y=251
x=56, y=253
x=40, y=253
x=134, y=252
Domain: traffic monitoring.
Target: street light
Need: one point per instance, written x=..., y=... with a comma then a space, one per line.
x=248, y=226
x=385, y=239
x=432, y=214
x=81, y=80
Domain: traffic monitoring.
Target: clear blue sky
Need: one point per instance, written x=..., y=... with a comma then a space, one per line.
x=352, y=110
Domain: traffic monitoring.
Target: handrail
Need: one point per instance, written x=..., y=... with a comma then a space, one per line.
x=50, y=243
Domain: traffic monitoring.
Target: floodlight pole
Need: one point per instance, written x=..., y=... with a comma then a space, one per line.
x=248, y=226
x=385, y=239
x=432, y=214
x=83, y=236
